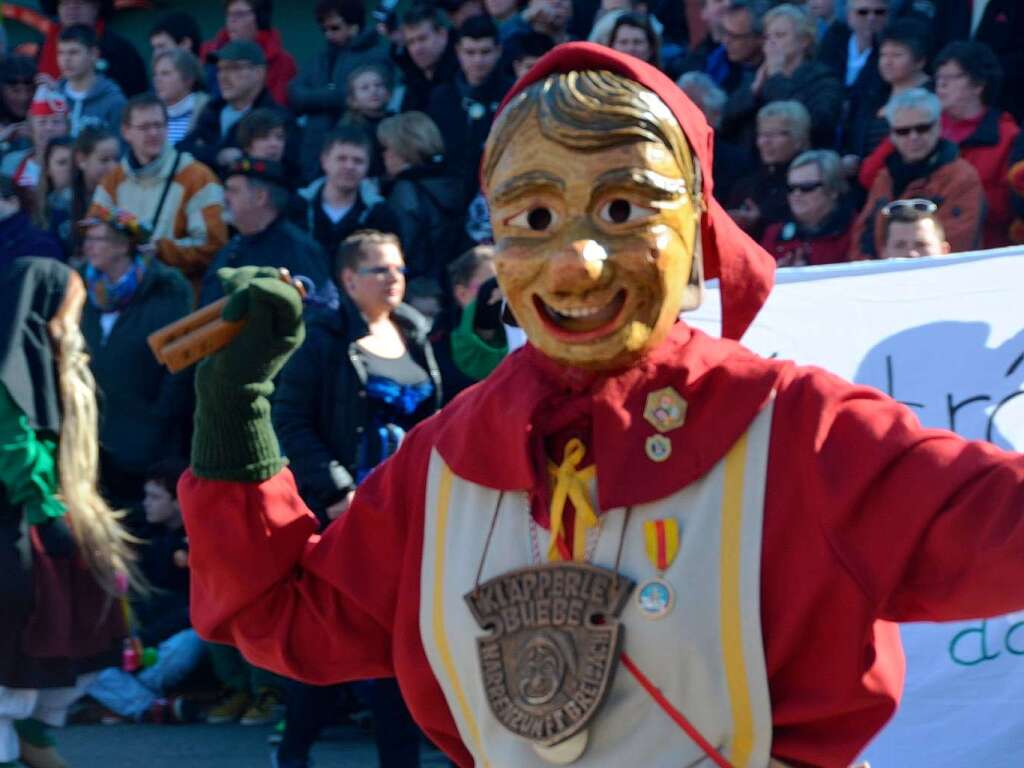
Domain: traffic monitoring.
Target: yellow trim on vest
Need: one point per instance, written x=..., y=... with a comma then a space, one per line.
x=440, y=637
x=742, y=743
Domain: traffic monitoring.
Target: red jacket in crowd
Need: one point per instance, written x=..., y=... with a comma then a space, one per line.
x=793, y=245
x=987, y=148
x=280, y=64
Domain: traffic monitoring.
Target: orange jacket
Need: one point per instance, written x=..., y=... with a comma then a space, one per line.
x=951, y=183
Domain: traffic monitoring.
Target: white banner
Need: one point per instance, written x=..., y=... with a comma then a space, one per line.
x=946, y=337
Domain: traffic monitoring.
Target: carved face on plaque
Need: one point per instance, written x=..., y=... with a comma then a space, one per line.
x=553, y=639
x=595, y=206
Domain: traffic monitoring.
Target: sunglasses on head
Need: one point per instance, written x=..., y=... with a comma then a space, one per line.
x=872, y=12
x=918, y=204
x=920, y=129
x=805, y=187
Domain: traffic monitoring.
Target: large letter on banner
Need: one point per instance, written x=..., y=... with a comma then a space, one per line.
x=945, y=337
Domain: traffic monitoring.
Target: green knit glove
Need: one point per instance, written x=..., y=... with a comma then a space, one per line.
x=233, y=437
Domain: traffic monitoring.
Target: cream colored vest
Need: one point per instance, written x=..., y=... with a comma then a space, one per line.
x=706, y=656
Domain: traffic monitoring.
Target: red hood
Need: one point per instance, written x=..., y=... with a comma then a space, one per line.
x=745, y=270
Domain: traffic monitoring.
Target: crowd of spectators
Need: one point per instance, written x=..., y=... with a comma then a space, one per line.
x=862, y=129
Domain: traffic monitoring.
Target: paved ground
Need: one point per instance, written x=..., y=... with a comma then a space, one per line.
x=209, y=746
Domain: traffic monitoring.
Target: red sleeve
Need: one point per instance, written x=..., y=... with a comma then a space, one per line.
x=281, y=73
x=874, y=162
x=870, y=517
x=327, y=609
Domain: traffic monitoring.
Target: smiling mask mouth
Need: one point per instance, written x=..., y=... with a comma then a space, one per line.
x=582, y=322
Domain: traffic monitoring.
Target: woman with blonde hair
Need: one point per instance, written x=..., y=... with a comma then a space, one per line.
x=790, y=72
x=426, y=196
x=64, y=555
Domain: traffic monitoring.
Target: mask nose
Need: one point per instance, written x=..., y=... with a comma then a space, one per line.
x=579, y=266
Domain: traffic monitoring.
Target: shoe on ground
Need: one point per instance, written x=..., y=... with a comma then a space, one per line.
x=228, y=708
x=40, y=757
x=265, y=709
x=276, y=736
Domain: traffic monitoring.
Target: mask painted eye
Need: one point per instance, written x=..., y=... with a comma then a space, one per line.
x=622, y=211
x=539, y=219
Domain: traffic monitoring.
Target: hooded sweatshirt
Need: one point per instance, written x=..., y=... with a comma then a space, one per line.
x=101, y=106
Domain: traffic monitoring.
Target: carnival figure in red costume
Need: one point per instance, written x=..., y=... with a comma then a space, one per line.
x=633, y=544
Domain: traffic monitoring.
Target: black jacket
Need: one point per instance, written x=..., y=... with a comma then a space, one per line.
x=367, y=212
x=319, y=91
x=418, y=87
x=812, y=84
x=319, y=408
x=165, y=611
x=464, y=114
x=142, y=405
x=205, y=141
x=281, y=244
x=431, y=212
x=863, y=99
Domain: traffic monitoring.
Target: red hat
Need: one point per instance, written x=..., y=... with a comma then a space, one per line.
x=746, y=272
x=47, y=102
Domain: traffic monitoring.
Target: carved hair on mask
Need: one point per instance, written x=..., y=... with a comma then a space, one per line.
x=595, y=202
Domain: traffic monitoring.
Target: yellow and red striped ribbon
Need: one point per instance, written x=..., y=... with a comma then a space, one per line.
x=661, y=542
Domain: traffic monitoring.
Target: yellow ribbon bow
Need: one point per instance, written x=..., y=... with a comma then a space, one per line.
x=572, y=484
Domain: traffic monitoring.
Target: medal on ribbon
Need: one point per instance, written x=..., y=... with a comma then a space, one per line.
x=550, y=658
x=655, y=596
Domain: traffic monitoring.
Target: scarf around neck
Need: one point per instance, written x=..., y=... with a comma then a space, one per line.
x=114, y=295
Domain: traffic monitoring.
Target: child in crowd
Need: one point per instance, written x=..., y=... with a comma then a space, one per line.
x=53, y=195
x=160, y=620
x=369, y=92
x=95, y=153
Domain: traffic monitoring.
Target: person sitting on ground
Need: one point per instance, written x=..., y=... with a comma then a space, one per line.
x=818, y=232
x=924, y=165
x=160, y=619
x=177, y=79
x=93, y=99
x=911, y=230
x=759, y=199
x=343, y=201
x=18, y=235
